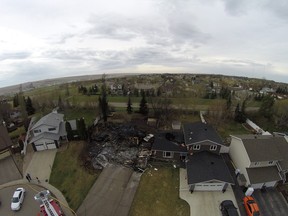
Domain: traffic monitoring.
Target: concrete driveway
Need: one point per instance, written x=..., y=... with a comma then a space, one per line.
x=8, y=170
x=112, y=194
x=203, y=203
x=40, y=164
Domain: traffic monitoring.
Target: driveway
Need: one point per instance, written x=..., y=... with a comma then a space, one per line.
x=112, y=194
x=203, y=203
x=40, y=165
x=271, y=202
x=8, y=170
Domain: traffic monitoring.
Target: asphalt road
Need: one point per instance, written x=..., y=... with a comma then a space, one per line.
x=8, y=170
x=29, y=207
x=271, y=202
x=112, y=194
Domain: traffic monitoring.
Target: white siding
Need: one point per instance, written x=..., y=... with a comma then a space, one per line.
x=257, y=186
x=239, y=156
x=270, y=184
x=209, y=187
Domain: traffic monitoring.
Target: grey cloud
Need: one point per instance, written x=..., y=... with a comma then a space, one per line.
x=233, y=7
x=278, y=7
x=162, y=31
x=14, y=55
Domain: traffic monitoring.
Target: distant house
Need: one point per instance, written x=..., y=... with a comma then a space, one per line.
x=262, y=159
x=267, y=90
x=48, y=132
x=5, y=143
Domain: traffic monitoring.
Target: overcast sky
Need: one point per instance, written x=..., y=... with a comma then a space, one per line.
x=56, y=38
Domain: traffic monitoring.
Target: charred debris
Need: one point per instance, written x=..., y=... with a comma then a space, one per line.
x=122, y=144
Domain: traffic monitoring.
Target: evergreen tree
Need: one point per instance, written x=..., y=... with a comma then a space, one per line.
x=60, y=104
x=143, y=109
x=103, y=103
x=81, y=127
x=29, y=107
x=16, y=100
x=129, y=106
x=239, y=115
x=69, y=131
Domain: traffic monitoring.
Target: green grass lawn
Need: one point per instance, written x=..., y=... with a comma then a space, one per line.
x=158, y=194
x=77, y=113
x=231, y=128
x=70, y=177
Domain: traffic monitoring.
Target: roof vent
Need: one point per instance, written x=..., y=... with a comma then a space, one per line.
x=205, y=129
x=212, y=163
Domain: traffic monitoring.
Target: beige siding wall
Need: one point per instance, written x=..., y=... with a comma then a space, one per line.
x=262, y=164
x=239, y=156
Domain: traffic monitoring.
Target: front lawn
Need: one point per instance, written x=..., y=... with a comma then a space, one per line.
x=70, y=177
x=158, y=194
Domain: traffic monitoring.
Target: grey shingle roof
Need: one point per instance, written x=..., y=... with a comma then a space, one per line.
x=263, y=174
x=51, y=119
x=161, y=143
x=263, y=148
x=205, y=166
x=198, y=131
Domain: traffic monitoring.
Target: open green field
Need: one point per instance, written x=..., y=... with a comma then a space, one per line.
x=158, y=194
x=70, y=177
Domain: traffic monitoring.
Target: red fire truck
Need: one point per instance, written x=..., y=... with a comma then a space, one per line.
x=48, y=207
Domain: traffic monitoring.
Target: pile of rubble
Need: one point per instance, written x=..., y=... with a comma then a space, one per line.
x=118, y=144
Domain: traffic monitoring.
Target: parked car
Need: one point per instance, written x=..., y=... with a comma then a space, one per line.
x=148, y=137
x=251, y=207
x=17, y=199
x=228, y=209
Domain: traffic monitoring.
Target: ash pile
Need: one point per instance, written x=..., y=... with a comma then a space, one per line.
x=119, y=144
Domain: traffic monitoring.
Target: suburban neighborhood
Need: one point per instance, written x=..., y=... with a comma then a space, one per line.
x=159, y=144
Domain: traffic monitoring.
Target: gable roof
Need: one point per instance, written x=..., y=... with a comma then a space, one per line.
x=51, y=119
x=198, y=131
x=5, y=140
x=263, y=147
x=161, y=143
x=206, y=166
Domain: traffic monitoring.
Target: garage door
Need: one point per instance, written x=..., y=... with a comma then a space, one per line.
x=50, y=145
x=270, y=184
x=257, y=186
x=5, y=153
x=40, y=146
x=209, y=187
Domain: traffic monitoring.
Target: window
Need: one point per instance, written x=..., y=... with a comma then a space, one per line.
x=167, y=154
x=51, y=129
x=196, y=147
x=270, y=162
x=37, y=131
x=213, y=147
x=256, y=163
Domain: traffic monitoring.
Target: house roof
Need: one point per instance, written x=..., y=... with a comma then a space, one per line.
x=263, y=174
x=282, y=146
x=198, y=131
x=51, y=119
x=205, y=166
x=5, y=140
x=263, y=148
x=169, y=141
x=45, y=135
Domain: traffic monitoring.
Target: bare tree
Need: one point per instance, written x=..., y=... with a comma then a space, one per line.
x=162, y=108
